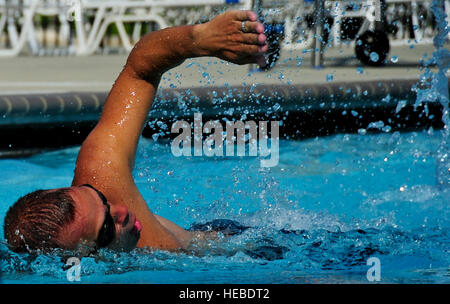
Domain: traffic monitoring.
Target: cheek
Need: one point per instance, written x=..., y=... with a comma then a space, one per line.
x=71, y=236
x=76, y=232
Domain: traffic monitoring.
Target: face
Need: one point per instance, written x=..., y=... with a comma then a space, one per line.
x=90, y=215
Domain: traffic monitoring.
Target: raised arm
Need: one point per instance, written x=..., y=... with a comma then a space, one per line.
x=107, y=156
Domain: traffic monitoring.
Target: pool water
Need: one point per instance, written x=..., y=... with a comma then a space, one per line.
x=331, y=204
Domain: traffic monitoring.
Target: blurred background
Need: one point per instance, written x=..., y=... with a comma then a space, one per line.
x=48, y=45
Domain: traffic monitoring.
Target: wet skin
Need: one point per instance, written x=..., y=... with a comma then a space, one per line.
x=90, y=215
x=106, y=158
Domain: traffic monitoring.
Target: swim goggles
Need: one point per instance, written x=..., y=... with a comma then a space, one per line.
x=107, y=232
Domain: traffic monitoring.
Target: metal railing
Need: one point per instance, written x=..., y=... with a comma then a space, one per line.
x=84, y=27
x=81, y=25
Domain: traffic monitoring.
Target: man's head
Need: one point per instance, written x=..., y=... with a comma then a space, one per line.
x=67, y=217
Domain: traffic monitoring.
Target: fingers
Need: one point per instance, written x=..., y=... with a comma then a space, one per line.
x=244, y=15
x=252, y=27
x=251, y=54
x=252, y=33
x=263, y=49
x=244, y=42
x=259, y=39
x=262, y=39
x=252, y=45
x=254, y=50
x=261, y=61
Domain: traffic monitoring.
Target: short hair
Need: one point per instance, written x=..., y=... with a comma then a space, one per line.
x=34, y=222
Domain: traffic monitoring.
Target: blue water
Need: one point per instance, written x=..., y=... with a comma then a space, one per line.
x=330, y=204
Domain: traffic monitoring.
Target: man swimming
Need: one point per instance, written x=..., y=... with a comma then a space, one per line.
x=103, y=207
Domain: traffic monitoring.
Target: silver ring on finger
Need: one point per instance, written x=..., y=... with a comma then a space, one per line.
x=243, y=26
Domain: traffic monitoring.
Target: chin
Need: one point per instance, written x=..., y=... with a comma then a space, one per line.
x=126, y=242
x=134, y=243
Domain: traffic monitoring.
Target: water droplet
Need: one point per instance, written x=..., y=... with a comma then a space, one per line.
x=329, y=77
x=400, y=105
x=360, y=70
x=374, y=57
x=376, y=125
x=394, y=59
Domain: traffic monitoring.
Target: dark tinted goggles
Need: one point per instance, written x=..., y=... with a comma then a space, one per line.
x=107, y=232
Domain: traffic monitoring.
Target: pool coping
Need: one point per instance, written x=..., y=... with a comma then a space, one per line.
x=337, y=100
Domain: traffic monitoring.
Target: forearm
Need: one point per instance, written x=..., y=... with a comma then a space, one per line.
x=126, y=108
x=131, y=97
x=160, y=51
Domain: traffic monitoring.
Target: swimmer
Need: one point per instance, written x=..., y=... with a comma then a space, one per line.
x=103, y=208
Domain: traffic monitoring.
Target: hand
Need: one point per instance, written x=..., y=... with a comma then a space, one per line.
x=223, y=37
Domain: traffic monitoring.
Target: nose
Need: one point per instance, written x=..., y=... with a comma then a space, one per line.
x=120, y=214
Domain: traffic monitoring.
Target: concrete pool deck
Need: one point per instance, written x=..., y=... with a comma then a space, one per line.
x=22, y=75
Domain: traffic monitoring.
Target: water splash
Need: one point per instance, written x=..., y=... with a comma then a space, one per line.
x=435, y=89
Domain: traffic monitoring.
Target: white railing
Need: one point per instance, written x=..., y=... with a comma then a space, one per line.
x=90, y=20
x=84, y=27
x=411, y=21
